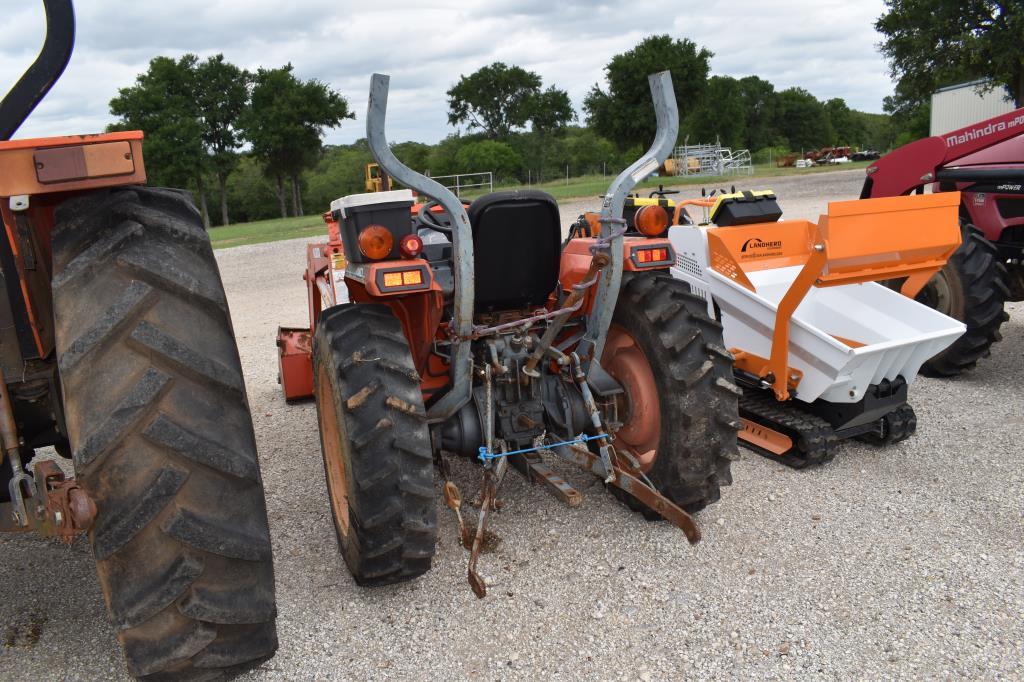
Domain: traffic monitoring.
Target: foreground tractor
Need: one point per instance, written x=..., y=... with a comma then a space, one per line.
x=984, y=162
x=478, y=332
x=117, y=351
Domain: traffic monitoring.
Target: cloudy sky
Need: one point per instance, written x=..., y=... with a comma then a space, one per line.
x=825, y=46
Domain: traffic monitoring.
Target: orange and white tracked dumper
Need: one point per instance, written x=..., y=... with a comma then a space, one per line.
x=822, y=351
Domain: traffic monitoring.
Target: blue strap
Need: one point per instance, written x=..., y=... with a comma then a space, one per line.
x=582, y=438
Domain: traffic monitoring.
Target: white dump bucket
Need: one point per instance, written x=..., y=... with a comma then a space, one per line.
x=898, y=334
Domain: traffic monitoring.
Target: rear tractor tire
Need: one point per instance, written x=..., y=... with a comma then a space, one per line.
x=376, y=444
x=972, y=289
x=680, y=409
x=161, y=434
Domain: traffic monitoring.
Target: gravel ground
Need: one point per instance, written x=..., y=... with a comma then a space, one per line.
x=901, y=563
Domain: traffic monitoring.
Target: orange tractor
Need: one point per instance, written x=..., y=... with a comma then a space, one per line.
x=479, y=332
x=116, y=350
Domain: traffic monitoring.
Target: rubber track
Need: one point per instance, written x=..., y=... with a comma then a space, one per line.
x=161, y=432
x=814, y=441
x=985, y=292
x=392, y=512
x=696, y=390
x=897, y=426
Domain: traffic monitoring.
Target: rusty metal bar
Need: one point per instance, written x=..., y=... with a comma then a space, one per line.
x=12, y=450
x=8, y=427
x=646, y=495
x=537, y=471
x=572, y=302
x=492, y=479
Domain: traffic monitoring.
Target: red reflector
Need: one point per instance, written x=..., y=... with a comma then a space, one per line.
x=651, y=255
x=410, y=245
x=403, y=278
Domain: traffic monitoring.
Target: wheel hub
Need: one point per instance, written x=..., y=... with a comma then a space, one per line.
x=937, y=294
x=639, y=408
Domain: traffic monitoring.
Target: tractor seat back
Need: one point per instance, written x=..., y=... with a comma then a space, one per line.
x=516, y=246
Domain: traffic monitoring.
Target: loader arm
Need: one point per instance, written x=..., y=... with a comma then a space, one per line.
x=919, y=163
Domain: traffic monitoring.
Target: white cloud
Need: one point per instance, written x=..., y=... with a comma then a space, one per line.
x=825, y=46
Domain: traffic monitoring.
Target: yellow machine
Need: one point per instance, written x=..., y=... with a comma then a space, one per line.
x=376, y=179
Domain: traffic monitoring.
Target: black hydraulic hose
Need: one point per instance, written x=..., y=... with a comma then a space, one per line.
x=33, y=85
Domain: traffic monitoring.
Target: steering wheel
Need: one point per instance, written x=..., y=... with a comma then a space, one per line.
x=428, y=219
x=661, y=192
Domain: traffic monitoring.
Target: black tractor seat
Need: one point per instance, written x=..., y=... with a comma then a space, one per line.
x=516, y=247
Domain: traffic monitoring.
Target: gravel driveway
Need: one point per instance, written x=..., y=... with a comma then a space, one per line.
x=904, y=563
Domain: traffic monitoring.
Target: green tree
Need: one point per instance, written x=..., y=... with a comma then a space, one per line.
x=498, y=99
x=878, y=130
x=934, y=43
x=931, y=43
x=759, y=105
x=849, y=128
x=910, y=118
x=588, y=152
x=339, y=171
x=802, y=120
x=163, y=104
x=415, y=155
x=251, y=196
x=550, y=111
x=722, y=114
x=442, y=159
x=221, y=95
x=489, y=155
x=285, y=123
x=624, y=113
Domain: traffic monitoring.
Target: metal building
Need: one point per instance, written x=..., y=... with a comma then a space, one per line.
x=960, y=105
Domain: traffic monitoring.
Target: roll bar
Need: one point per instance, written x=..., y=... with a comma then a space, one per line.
x=667, y=114
x=462, y=240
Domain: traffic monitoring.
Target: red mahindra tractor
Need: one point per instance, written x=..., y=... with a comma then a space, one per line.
x=437, y=330
x=116, y=350
x=985, y=163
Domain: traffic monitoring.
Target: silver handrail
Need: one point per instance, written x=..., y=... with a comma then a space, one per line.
x=667, y=114
x=462, y=240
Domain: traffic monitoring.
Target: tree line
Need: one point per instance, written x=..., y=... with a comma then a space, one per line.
x=197, y=115
x=256, y=138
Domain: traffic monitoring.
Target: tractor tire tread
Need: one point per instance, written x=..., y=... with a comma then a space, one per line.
x=696, y=389
x=392, y=532
x=985, y=293
x=153, y=388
